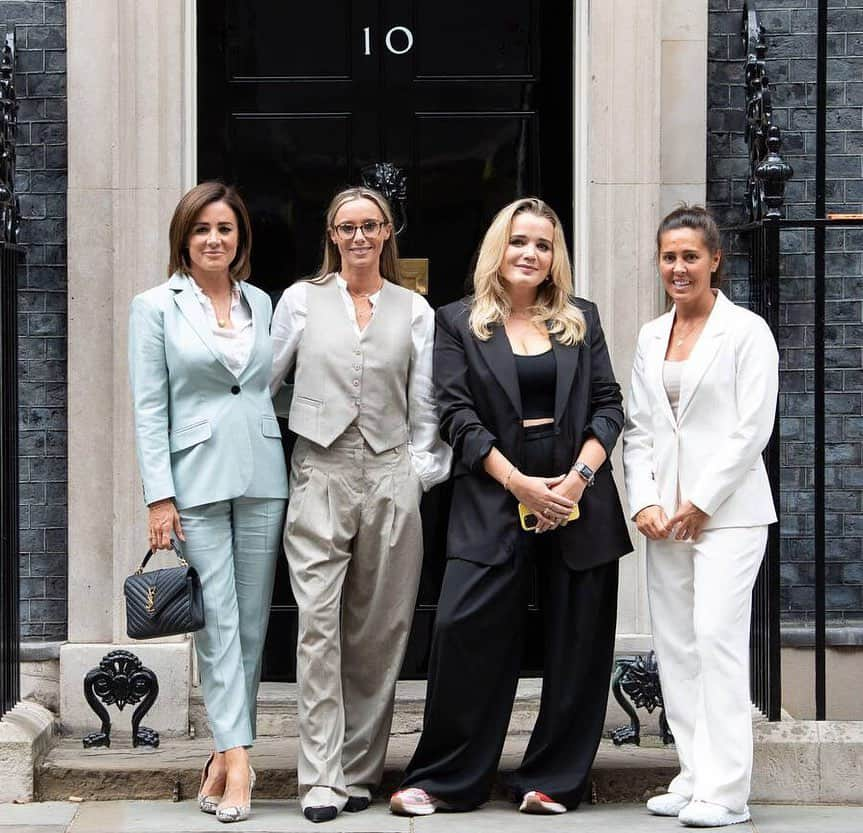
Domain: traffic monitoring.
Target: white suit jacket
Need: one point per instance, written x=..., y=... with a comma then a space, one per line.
x=725, y=416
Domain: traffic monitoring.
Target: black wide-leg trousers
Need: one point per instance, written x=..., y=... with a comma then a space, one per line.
x=473, y=674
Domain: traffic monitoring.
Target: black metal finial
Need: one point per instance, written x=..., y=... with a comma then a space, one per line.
x=768, y=171
x=772, y=173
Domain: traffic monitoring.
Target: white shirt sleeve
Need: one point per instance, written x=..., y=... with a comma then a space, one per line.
x=430, y=455
x=286, y=329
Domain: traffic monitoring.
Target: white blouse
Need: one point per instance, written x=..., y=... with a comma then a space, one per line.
x=235, y=342
x=430, y=455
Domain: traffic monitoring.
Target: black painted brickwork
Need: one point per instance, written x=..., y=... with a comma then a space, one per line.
x=40, y=30
x=791, y=27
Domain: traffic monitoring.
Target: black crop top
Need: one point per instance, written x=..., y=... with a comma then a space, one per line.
x=537, y=380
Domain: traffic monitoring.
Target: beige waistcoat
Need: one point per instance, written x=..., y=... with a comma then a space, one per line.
x=344, y=378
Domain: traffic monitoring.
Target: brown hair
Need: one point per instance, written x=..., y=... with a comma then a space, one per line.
x=389, y=260
x=700, y=219
x=191, y=204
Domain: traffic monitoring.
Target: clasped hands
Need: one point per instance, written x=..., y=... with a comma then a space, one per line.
x=686, y=525
x=550, y=498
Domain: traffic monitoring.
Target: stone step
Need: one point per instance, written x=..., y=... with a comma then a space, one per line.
x=277, y=710
x=626, y=773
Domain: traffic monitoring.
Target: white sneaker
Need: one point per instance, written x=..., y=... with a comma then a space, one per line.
x=415, y=801
x=540, y=804
x=705, y=814
x=668, y=804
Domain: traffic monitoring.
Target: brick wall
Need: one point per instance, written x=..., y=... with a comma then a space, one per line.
x=40, y=30
x=791, y=38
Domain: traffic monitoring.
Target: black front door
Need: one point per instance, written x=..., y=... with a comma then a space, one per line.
x=472, y=99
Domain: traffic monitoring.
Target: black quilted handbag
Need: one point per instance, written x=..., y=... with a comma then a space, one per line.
x=163, y=602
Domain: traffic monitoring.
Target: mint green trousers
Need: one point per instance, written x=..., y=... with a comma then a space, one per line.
x=233, y=544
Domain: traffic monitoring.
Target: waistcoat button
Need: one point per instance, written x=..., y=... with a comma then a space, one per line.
x=235, y=389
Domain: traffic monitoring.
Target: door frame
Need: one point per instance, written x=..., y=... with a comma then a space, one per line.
x=581, y=122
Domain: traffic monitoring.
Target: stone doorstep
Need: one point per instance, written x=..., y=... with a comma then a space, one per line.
x=277, y=710
x=620, y=774
x=804, y=761
x=26, y=733
x=796, y=762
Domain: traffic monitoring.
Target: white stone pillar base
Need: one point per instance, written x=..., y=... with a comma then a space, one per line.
x=25, y=737
x=169, y=716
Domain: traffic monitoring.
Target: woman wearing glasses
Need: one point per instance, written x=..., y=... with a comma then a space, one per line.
x=363, y=410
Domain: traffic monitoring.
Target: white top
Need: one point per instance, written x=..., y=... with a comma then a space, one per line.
x=431, y=457
x=235, y=342
x=671, y=373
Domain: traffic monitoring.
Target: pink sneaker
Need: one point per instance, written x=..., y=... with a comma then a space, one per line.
x=415, y=802
x=540, y=804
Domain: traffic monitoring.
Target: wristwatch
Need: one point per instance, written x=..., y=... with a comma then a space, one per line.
x=584, y=471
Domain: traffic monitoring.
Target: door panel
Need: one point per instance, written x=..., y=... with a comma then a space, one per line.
x=473, y=100
x=480, y=38
x=267, y=40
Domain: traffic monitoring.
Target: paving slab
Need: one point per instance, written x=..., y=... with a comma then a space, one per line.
x=788, y=818
x=272, y=816
x=497, y=817
x=29, y=828
x=36, y=814
x=184, y=817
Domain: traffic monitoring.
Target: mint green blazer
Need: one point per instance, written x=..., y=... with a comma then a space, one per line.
x=203, y=434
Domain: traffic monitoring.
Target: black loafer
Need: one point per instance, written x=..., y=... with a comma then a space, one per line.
x=325, y=813
x=357, y=803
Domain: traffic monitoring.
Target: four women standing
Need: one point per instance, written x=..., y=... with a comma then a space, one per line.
x=528, y=401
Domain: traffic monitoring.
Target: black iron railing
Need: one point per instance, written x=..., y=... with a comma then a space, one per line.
x=768, y=174
x=9, y=253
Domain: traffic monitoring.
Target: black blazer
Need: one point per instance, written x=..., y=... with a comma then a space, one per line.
x=480, y=407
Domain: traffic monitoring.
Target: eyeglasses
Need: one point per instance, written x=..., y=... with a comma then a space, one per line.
x=369, y=228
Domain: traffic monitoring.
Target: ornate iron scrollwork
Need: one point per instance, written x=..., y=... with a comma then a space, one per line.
x=9, y=212
x=392, y=182
x=638, y=678
x=768, y=171
x=120, y=680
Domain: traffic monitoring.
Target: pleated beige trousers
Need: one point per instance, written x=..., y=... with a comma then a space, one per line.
x=353, y=539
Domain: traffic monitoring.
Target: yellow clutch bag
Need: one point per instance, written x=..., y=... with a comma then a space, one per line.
x=529, y=519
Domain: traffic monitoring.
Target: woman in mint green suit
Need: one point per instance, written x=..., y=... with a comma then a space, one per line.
x=211, y=460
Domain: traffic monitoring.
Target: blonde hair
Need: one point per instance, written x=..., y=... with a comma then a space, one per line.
x=389, y=260
x=553, y=308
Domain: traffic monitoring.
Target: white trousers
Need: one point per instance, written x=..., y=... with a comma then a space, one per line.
x=700, y=598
